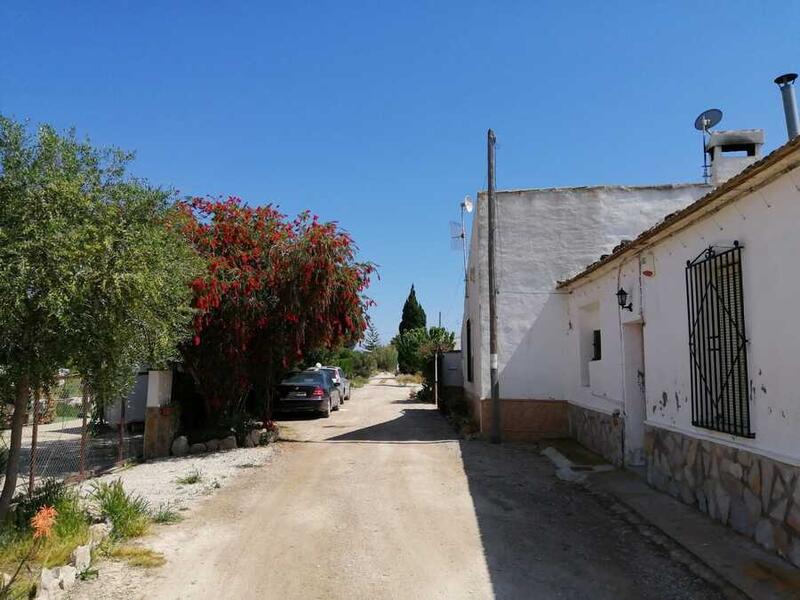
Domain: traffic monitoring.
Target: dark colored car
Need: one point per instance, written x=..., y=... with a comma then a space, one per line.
x=309, y=391
x=339, y=380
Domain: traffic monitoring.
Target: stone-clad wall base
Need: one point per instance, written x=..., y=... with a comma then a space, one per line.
x=597, y=431
x=753, y=494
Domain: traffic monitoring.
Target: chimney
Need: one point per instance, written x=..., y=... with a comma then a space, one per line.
x=786, y=83
x=732, y=151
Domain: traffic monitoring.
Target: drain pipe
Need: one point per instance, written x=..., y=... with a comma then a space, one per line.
x=786, y=84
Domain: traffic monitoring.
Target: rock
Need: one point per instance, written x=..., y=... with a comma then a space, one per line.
x=764, y=534
x=753, y=504
x=66, y=576
x=5, y=579
x=228, y=443
x=793, y=518
x=782, y=541
x=723, y=503
x=744, y=458
x=180, y=447
x=766, y=483
x=754, y=478
x=48, y=581
x=212, y=445
x=269, y=436
x=794, y=553
x=778, y=511
x=81, y=558
x=740, y=517
x=732, y=468
x=248, y=441
x=197, y=448
x=97, y=533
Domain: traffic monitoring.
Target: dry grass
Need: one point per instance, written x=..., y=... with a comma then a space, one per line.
x=404, y=379
x=136, y=556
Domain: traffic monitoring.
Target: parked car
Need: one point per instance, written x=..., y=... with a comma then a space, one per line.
x=339, y=380
x=311, y=390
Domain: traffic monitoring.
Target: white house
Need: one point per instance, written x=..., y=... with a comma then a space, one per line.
x=543, y=236
x=698, y=375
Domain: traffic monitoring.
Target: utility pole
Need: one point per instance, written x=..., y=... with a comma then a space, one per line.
x=495, y=386
x=436, y=369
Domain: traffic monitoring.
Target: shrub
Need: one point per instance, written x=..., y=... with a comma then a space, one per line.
x=129, y=514
x=385, y=358
x=363, y=364
x=50, y=492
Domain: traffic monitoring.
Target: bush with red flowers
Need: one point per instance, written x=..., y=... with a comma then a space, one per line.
x=274, y=289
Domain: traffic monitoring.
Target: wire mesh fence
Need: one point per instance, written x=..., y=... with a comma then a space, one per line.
x=51, y=447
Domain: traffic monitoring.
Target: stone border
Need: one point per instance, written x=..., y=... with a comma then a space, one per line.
x=256, y=437
x=54, y=583
x=754, y=495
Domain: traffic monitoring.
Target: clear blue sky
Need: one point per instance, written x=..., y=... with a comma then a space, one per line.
x=375, y=114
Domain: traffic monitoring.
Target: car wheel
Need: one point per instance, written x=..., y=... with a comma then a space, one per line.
x=338, y=403
x=327, y=410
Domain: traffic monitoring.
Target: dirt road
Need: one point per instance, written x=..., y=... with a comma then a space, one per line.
x=382, y=501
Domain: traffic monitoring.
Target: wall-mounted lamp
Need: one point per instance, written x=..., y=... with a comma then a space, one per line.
x=622, y=299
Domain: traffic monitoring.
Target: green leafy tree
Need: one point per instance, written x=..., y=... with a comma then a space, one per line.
x=413, y=313
x=88, y=274
x=386, y=358
x=372, y=338
x=408, y=350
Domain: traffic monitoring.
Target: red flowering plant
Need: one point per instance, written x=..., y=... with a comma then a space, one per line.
x=273, y=290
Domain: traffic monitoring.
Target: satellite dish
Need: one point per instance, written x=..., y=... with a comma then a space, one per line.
x=707, y=119
x=467, y=204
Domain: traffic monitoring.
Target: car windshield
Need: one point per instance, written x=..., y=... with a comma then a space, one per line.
x=307, y=378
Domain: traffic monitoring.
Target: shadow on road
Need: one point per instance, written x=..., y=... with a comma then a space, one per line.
x=541, y=537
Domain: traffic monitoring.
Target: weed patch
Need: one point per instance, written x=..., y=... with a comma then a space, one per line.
x=129, y=514
x=166, y=515
x=192, y=477
x=136, y=556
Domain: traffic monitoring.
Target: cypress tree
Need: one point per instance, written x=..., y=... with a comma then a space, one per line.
x=413, y=314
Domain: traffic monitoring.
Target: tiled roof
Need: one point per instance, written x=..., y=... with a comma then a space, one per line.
x=687, y=213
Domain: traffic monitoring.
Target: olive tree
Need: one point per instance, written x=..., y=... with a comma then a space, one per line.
x=90, y=274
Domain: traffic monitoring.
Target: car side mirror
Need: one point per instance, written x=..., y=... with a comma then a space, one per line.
x=337, y=383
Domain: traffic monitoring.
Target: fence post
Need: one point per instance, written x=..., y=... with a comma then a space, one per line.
x=120, y=450
x=84, y=410
x=34, y=436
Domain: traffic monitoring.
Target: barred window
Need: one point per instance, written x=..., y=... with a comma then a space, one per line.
x=717, y=341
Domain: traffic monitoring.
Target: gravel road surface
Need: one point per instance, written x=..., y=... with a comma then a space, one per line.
x=383, y=501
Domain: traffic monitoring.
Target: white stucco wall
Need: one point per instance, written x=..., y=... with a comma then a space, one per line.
x=765, y=222
x=543, y=236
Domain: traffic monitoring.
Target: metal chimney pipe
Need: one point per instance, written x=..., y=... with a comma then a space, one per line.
x=786, y=83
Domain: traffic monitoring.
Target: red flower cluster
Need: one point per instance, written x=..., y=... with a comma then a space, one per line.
x=274, y=289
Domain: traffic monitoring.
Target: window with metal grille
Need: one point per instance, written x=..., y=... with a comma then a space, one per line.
x=717, y=341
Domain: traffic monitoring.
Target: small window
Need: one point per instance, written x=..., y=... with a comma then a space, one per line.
x=597, y=353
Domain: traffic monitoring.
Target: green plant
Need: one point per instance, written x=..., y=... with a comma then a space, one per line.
x=136, y=556
x=192, y=477
x=67, y=411
x=386, y=358
x=165, y=514
x=413, y=313
x=49, y=492
x=129, y=514
x=88, y=574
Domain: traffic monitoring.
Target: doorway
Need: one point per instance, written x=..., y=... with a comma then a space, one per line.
x=635, y=407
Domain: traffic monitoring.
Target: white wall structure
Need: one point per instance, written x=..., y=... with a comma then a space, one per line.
x=544, y=235
x=751, y=482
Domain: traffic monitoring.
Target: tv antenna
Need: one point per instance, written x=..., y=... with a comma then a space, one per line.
x=704, y=122
x=458, y=234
